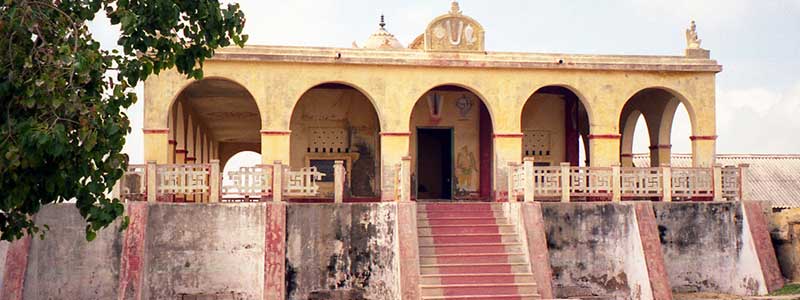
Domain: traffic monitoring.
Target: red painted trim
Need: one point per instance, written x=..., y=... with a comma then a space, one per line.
x=191, y=159
x=16, y=265
x=654, y=147
x=155, y=130
x=703, y=138
x=759, y=231
x=131, y=274
x=181, y=151
x=398, y=133
x=508, y=135
x=172, y=142
x=604, y=136
x=626, y=155
x=275, y=252
x=276, y=132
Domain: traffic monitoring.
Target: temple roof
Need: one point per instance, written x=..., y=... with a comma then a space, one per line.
x=382, y=39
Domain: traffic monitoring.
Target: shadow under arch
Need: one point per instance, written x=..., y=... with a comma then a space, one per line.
x=555, y=122
x=210, y=79
x=338, y=84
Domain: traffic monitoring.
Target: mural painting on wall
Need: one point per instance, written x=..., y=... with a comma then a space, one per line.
x=464, y=105
x=466, y=172
x=435, y=107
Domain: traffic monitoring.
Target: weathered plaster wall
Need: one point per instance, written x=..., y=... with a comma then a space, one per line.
x=65, y=266
x=595, y=250
x=205, y=250
x=707, y=248
x=465, y=123
x=346, y=250
x=346, y=109
x=3, y=251
x=545, y=113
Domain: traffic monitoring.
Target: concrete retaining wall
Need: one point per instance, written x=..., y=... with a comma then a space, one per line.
x=65, y=266
x=595, y=250
x=344, y=251
x=709, y=247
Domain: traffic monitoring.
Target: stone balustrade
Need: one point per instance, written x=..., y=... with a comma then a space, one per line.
x=567, y=183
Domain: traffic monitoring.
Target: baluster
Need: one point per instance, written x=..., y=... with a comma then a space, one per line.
x=277, y=181
x=338, y=181
x=565, y=182
x=717, y=188
x=151, y=188
x=214, y=182
x=666, y=183
x=527, y=166
x=616, y=183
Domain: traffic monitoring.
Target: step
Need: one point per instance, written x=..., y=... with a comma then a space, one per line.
x=462, y=221
x=468, y=238
x=470, y=248
x=433, y=279
x=478, y=289
x=472, y=258
x=460, y=207
x=485, y=297
x=465, y=214
x=461, y=229
x=474, y=268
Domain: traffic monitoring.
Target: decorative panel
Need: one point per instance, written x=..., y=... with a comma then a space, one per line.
x=329, y=140
x=536, y=143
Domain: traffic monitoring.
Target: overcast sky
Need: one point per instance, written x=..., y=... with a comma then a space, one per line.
x=757, y=42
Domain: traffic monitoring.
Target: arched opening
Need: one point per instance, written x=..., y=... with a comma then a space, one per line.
x=657, y=108
x=555, y=127
x=333, y=122
x=243, y=159
x=211, y=119
x=451, y=145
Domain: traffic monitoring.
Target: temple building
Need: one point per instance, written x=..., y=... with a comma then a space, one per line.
x=439, y=170
x=461, y=112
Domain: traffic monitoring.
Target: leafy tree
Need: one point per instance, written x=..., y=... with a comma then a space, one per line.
x=62, y=97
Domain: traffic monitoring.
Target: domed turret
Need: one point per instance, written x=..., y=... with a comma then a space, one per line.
x=382, y=39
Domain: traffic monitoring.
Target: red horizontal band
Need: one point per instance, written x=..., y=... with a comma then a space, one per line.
x=181, y=151
x=703, y=137
x=191, y=159
x=276, y=132
x=604, y=136
x=509, y=135
x=155, y=130
x=654, y=147
x=626, y=155
x=398, y=133
x=172, y=142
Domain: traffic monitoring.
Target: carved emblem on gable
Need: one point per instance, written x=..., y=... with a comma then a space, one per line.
x=454, y=32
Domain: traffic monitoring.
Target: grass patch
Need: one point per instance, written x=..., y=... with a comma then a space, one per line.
x=789, y=289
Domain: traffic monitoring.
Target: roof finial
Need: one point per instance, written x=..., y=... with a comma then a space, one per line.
x=455, y=8
x=383, y=22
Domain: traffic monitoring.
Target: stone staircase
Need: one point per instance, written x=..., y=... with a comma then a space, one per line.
x=471, y=251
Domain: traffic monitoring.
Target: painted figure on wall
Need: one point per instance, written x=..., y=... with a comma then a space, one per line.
x=466, y=172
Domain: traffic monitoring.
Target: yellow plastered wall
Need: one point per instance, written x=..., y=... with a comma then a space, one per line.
x=544, y=113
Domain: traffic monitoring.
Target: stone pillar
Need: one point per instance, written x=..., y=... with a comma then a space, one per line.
x=338, y=181
x=660, y=154
x=156, y=144
x=616, y=183
x=277, y=181
x=507, y=149
x=214, y=181
x=527, y=166
x=405, y=179
x=274, y=146
x=666, y=175
x=275, y=252
x=565, y=182
x=704, y=149
x=394, y=147
x=604, y=149
x=626, y=160
x=151, y=185
x=510, y=171
x=718, y=182
x=171, y=153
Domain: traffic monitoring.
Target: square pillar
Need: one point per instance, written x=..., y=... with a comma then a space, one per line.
x=604, y=149
x=507, y=149
x=275, y=146
x=156, y=145
x=704, y=149
x=394, y=147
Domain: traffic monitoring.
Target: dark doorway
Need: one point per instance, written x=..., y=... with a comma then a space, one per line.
x=434, y=163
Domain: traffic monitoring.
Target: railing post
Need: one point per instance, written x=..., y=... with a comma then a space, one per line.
x=405, y=179
x=666, y=183
x=565, y=182
x=743, y=180
x=338, y=181
x=277, y=181
x=527, y=166
x=616, y=182
x=214, y=182
x=512, y=170
x=151, y=186
x=718, y=183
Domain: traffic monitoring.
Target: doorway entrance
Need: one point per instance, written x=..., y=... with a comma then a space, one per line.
x=434, y=163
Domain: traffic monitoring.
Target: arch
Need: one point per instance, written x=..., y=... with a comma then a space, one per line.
x=356, y=87
x=555, y=128
x=189, y=84
x=658, y=106
x=472, y=90
x=236, y=155
x=338, y=121
x=586, y=105
x=451, y=143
